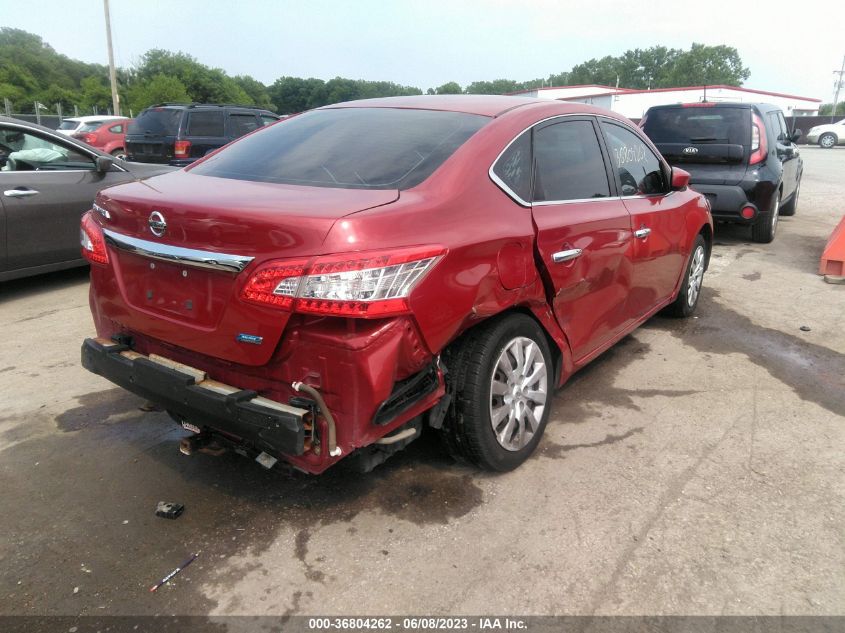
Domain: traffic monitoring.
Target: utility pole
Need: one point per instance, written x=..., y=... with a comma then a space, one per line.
x=839, y=72
x=112, y=76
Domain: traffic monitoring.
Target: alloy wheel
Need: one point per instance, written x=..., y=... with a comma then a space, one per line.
x=696, y=276
x=518, y=393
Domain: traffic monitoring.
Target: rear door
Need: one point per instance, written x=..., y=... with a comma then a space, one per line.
x=206, y=130
x=656, y=217
x=47, y=185
x=583, y=233
x=786, y=151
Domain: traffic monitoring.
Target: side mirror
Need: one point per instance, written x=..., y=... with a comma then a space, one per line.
x=680, y=179
x=796, y=134
x=104, y=163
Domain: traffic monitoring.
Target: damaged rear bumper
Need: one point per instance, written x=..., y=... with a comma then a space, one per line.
x=269, y=425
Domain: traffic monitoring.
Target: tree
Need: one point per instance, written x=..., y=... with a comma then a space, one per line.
x=294, y=94
x=495, y=87
x=826, y=109
x=256, y=91
x=708, y=65
x=158, y=89
x=449, y=88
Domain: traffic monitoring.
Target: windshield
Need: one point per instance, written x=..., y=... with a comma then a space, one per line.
x=156, y=122
x=360, y=148
x=68, y=125
x=701, y=125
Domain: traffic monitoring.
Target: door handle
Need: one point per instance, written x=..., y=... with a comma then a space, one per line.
x=642, y=233
x=20, y=193
x=565, y=256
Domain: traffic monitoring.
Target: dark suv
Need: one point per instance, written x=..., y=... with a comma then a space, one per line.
x=741, y=156
x=180, y=133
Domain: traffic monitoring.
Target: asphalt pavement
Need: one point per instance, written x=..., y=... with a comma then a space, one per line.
x=695, y=468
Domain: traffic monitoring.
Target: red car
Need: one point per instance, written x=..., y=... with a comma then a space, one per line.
x=106, y=136
x=329, y=285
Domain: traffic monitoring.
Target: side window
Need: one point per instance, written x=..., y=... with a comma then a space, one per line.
x=784, y=128
x=776, y=128
x=267, y=119
x=208, y=123
x=116, y=129
x=638, y=170
x=240, y=124
x=568, y=163
x=514, y=167
x=22, y=151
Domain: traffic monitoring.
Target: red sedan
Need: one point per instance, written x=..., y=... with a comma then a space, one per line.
x=106, y=136
x=325, y=288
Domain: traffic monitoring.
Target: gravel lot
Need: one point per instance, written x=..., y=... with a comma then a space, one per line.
x=695, y=468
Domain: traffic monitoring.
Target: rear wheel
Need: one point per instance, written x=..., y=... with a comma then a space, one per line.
x=500, y=376
x=764, y=229
x=119, y=153
x=792, y=206
x=827, y=140
x=688, y=296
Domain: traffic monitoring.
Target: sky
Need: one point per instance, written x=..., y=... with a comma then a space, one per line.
x=789, y=47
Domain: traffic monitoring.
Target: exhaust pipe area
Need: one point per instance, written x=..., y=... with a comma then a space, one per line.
x=334, y=450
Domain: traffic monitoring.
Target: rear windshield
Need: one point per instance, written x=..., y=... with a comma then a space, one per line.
x=699, y=125
x=360, y=148
x=68, y=125
x=157, y=122
x=90, y=127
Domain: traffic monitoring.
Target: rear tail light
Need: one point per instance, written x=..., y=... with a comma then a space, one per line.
x=90, y=138
x=182, y=149
x=748, y=212
x=364, y=284
x=92, y=240
x=758, y=141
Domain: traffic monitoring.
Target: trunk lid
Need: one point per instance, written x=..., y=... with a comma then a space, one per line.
x=199, y=308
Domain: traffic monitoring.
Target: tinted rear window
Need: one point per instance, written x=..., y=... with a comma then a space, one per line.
x=699, y=125
x=157, y=122
x=68, y=125
x=360, y=148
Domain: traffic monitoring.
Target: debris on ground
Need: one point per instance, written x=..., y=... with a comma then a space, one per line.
x=169, y=510
x=170, y=576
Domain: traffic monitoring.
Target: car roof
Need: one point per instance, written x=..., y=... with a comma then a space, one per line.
x=485, y=105
x=86, y=119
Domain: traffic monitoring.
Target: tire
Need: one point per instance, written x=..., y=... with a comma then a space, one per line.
x=764, y=230
x=119, y=153
x=687, y=300
x=792, y=206
x=827, y=140
x=496, y=417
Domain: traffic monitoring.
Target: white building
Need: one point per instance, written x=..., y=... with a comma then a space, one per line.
x=634, y=103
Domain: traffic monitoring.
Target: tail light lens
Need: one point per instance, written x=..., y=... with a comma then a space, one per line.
x=364, y=284
x=92, y=240
x=182, y=149
x=90, y=138
x=759, y=148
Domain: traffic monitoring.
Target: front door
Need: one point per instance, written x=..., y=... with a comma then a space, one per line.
x=46, y=187
x=658, y=223
x=583, y=233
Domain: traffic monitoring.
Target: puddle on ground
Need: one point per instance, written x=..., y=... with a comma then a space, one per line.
x=814, y=372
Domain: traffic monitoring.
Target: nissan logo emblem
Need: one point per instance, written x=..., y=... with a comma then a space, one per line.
x=690, y=150
x=158, y=225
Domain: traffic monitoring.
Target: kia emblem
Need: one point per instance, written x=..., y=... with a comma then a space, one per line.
x=158, y=225
x=690, y=150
